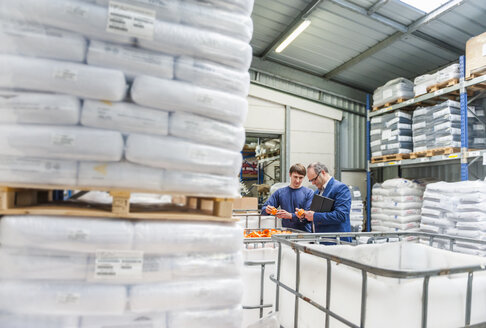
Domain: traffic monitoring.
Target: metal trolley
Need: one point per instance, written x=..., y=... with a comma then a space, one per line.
x=253, y=219
x=300, y=242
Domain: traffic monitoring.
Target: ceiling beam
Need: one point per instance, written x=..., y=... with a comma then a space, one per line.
x=411, y=29
x=377, y=6
x=301, y=17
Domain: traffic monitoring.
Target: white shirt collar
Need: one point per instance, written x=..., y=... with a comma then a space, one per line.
x=325, y=185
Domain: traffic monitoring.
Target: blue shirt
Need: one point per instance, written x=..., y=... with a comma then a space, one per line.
x=289, y=199
x=337, y=220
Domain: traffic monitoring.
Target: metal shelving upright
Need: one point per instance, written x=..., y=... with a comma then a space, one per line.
x=463, y=156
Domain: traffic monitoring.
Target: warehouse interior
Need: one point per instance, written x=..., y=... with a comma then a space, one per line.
x=242, y=163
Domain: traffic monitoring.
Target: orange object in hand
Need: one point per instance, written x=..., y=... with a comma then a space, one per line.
x=274, y=211
x=301, y=212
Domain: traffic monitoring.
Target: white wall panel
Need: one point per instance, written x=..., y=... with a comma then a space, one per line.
x=265, y=116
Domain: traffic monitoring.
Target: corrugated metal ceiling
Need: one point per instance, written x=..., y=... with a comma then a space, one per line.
x=338, y=34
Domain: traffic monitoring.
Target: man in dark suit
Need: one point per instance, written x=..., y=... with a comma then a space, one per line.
x=337, y=220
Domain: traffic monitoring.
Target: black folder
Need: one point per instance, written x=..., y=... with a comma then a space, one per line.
x=321, y=204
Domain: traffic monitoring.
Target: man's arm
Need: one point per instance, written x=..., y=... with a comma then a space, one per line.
x=309, y=195
x=273, y=200
x=342, y=206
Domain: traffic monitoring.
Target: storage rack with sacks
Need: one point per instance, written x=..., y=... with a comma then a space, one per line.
x=467, y=157
x=350, y=287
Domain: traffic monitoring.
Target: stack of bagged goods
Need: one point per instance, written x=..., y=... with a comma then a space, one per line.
x=456, y=209
x=93, y=273
x=396, y=205
x=444, y=125
x=419, y=128
x=356, y=213
x=130, y=94
x=424, y=82
x=391, y=134
x=477, y=128
x=392, y=91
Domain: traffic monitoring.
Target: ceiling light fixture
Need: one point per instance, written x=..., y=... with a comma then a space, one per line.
x=305, y=24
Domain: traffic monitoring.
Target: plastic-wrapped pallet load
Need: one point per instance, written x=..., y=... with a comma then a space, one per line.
x=396, y=205
x=356, y=214
x=106, y=272
x=441, y=78
x=477, y=128
x=173, y=57
x=419, y=128
x=393, y=90
x=456, y=209
x=444, y=125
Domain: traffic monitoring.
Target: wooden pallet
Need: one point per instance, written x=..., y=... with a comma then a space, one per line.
x=476, y=74
x=398, y=101
x=389, y=158
x=435, y=152
x=22, y=199
x=443, y=85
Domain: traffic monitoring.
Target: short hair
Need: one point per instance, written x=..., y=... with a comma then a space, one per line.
x=298, y=168
x=318, y=167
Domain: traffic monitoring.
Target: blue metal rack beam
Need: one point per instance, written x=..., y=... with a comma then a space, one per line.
x=368, y=173
x=464, y=136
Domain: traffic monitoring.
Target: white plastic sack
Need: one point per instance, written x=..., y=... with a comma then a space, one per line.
x=124, y=117
x=35, y=170
x=34, y=40
x=238, y=6
x=62, y=77
x=202, y=294
x=206, y=131
x=159, y=237
x=177, y=39
x=72, y=15
x=60, y=142
x=180, y=96
x=131, y=61
x=201, y=184
x=177, y=154
x=120, y=175
x=72, y=234
x=38, y=108
x=215, y=318
x=210, y=75
x=127, y=320
x=59, y=298
x=32, y=321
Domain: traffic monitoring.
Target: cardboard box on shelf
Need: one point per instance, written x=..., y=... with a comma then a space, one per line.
x=476, y=55
x=245, y=203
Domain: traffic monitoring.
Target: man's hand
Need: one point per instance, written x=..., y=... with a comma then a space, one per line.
x=309, y=215
x=269, y=209
x=283, y=214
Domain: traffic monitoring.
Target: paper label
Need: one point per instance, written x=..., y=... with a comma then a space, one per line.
x=484, y=49
x=484, y=159
x=478, y=127
x=131, y=20
x=62, y=139
x=68, y=298
x=118, y=264
x=65, y=74
x=420, y=125
x=357, y=193
x=386, y=134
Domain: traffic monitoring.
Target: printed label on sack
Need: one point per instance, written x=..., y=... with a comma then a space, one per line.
x=357, y=193
x=197, y=154
x=478, y=127
x=68, y=298
x=118, y=264
x=77, y=10
x=484, y=159
x=65, y=74
x=78, y=235
x=62, y=139
x=131, y=20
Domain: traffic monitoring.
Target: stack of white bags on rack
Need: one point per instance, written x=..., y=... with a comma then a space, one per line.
x=124, y=93
x=356, y=213
x=424, y=82
x=456, y=209
x=396, y=205
x=399, y=88
x=60, y=272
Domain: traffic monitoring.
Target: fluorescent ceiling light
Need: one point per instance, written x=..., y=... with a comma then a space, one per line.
x=425, y=5
x=305, y=24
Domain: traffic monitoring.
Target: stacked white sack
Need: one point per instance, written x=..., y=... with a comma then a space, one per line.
x=181, y=71
x=457, y=209
x=399, y=88
x=356, y=214
x=78, y=272
x=440, y=78
x=396, y=205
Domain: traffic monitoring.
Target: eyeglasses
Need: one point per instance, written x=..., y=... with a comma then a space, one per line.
x=312, y=180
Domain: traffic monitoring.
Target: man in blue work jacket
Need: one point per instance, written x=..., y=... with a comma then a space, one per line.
x=289, y=198
x=337, y=220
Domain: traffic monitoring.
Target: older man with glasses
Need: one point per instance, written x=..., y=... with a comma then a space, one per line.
x=337, y=220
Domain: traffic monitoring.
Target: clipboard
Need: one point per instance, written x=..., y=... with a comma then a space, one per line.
x=321, y=204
